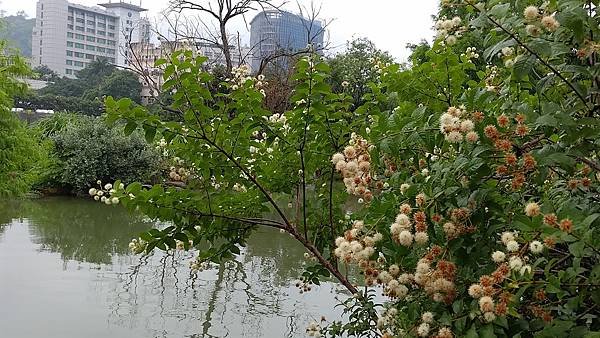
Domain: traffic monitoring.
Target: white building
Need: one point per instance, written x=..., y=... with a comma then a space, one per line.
x=68, y=36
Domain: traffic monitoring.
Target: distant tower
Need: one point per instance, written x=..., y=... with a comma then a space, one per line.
x=274, y=31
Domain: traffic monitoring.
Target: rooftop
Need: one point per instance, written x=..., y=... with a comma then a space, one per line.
x=122, y=4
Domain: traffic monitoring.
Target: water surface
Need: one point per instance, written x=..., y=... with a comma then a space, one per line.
x=65, y=272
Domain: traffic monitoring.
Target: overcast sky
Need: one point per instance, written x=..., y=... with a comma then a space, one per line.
x=391, y=24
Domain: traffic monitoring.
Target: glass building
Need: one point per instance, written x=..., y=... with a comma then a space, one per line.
x=276, y=32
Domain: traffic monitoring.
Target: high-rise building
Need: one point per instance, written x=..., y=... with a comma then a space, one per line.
x=276, y=32
x=68, y=36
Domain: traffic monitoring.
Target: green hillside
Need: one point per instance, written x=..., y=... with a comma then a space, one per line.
x=17, y=30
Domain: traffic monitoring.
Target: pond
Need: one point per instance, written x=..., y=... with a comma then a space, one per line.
x=65, y=271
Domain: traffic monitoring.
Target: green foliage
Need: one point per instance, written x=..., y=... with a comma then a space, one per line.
x=17, y=30
x=87, y=150
x=478, y=174
x=358, y=67
x=23, y=158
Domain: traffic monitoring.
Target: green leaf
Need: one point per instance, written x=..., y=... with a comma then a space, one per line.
x=149, y=134
x=130, y=127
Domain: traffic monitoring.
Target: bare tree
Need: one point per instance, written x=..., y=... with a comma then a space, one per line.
x=222, y=12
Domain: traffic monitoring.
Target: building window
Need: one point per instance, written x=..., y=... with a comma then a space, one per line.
x=80, y=20
x=90, y=47
x=79, y=45
x=101, y=49
x=111, y=20
x=69, y=71
x=101, y=41
x=90, y=38
x=101, y=33
x=112, y=35
x=70, y=18
x=79, y=36
x=89, y=56
x=90, y=22
x=111, y=27
x=91, y=30
x=69, y=43
x=79, y=28
x=70, y=26
x=78, y=64
x=79, y=55
x=69, y=53
x=69, y=34
x=110, y=51
x=69, y=62
x=101, y=25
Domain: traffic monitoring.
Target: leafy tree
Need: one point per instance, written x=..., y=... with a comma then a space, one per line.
x=119, y=84
x=465, y=188
x=23, y=157
x=354, y=69
x=45, y=73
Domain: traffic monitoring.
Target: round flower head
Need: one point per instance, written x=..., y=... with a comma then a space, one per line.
x=550, y=23
x=531, y=13
x=512, y=246
x=532, y=209
x=475, y=291
x=337, y=158
x=423, y=330
x=498, y=256
x=427, y=317
x=507, y=237
x=451, y=40
x=405, y=238
x=421, y=238
x=404, y=187
x=536, y=247
x=403, y=220
x=515, y=263
x=533, y=30
x=92, y=191
x=472, y=137
x=486, y=304
x=454, y=137
x=467, y=125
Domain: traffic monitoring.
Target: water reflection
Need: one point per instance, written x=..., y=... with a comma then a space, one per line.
x=156, y=296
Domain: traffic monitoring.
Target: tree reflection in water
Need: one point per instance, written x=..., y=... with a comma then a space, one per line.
x=252, y=296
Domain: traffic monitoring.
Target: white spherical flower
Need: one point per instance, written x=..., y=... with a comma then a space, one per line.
x=451, y=40
x=454, y=137
x=99, y=182
x=550, y=23
x=377, y=237
x=92, y=191
x=361, y=201
x=531, y=13
x=96, y=198
x=533, y=30
x=405, y=238
x=532, y=209
x=466, y=125
x=507, y=237
x=339, y=241
x=427, y=317
x=512, y=246
x=498, y=256
x=472, y=137
x=515, y=263
x=404, y=187
x=337, y=158
x=403, y=221
x=114, y=200
x=475, y=291
x=100, y=193
x=446, y=119
x=536, y=247
x=423, y=330
x=421, y=238
x=507, y=51
x=108, y=186
x=108, y=201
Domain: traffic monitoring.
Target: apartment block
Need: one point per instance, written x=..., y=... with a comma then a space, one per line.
x=68, y=36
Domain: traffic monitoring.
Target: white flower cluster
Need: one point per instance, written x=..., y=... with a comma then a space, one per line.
x=453, y=127
x=515, y=262
x=137, y=245
x=492, y=73
x=507, y=54
x=198, y=266
x=355, y=165
x=280, y=120
x=449, y=29
x=103, y=193
x=470, y=54
x=356, y=245
x=401, y=229
x=532, y=15
x=239, y=188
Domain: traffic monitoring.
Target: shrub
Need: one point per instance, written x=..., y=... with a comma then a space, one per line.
x=88, y=150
